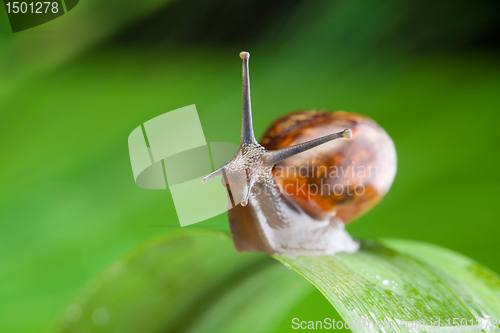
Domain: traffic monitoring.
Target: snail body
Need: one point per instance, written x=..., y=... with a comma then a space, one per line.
x=299, y=186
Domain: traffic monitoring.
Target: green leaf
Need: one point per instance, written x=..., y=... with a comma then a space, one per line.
x=194, y=281
x=403, y=282
x=189, y=281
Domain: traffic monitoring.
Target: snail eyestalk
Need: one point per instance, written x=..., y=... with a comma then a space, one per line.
x=247, y=136
x=274, y=156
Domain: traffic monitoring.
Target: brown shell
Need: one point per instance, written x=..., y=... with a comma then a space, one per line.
x=343, y=178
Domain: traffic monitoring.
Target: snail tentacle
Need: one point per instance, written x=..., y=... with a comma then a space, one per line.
x=215, y=173
x=250, y=183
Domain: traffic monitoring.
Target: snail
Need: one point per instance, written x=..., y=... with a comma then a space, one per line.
x=312, y=173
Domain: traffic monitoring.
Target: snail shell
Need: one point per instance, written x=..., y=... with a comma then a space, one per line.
x=343, y=178
x=349, y=176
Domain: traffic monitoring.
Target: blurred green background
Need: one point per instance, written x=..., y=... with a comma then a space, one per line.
x=73, y=89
